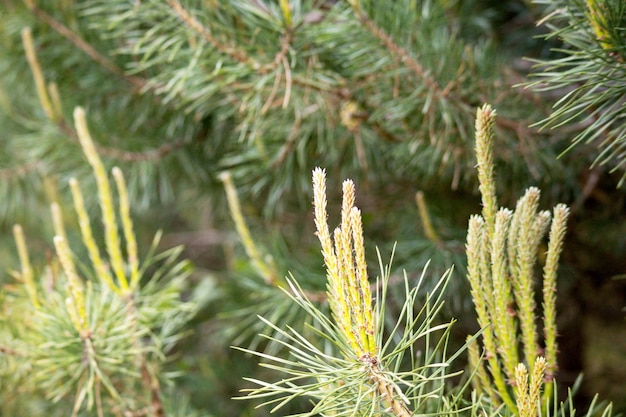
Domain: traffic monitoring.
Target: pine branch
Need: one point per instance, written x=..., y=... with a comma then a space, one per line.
x=586, y=76
x=83, y=45
x=357, y=371
x=197, y=27
x=94, y=334
x=502, y=251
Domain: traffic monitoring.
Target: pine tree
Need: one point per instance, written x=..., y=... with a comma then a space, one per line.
x=220, y=109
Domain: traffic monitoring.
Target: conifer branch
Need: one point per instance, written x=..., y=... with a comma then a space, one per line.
x=502, y=317
x=51, y=103
x=348, y=284
x=481, y=290
x=20, y=170
x=83, y=45
x=502, y=253
x=597, y=19
x=50, y=97
x=228, y=50
x=57, y=220
x=481, y=381
x=149, y=155
x=261, y=90
x=92, y=337
x=357, y=372
x=401, y=54
x=523, y=273
x=586, y=77
x=527, y=390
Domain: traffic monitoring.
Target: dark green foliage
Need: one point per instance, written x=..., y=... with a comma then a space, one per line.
x=587, y=77
x=178, y=92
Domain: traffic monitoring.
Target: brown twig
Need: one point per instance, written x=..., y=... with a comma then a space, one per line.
x=8, y=351
x=155, y=390
x=152, y=155
x=83, y=45
x=205, y=32
x=290, y=143
x=19, y=170
x=80, y=43
x=279, y=59
x=400, y=53
x=288, y=82
x=270, y=98
x=281, y=55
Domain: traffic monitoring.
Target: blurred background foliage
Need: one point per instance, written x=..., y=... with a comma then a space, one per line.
x=177, y=92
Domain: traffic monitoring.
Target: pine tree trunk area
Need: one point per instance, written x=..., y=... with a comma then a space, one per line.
x=157, y=156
